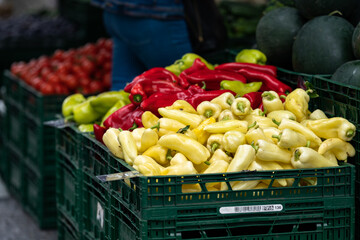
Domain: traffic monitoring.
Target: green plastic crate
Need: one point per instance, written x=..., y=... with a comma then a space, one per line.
x=39, y=197
x=15, y=167
x=65, y=229
x=13, y=89
x=14, y=130
x=3, y=139
x=95, y=208
x=68, y=175
x=319, y=218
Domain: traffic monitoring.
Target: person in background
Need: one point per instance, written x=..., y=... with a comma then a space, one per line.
x=145, y=34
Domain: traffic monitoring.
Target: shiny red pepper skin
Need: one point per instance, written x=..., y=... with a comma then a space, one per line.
x=270, y=83
x=213, y=78
x=198, y=98
x=254, y=98
x=157, y=73
x=198, y=65
x=99, y=131
x=121, y=118
x=235, y=66
x=142, y=90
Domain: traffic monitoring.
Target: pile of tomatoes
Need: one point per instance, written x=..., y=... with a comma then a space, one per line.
x=86, y=69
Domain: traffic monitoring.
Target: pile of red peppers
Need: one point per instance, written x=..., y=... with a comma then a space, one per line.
x=158, y=87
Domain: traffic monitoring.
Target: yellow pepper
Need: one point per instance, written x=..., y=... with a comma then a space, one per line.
x=278, y=115
x=242, y=185
x=259, y=165
x=199, y=131
x=254, y=134
x=183, y=106
x=270, y=131
x=149, y=119
x=257, y=112
x=167, y=125
x=290, y=139
x=336, y=127
x=263, y=122
x=110, y=139
x=317, y=114
x=192, y=149
x=226, y=114
x=341, y=149
x=267, y=151
x=218, y=166
x=186, y=118
x=304, y=157
x=331, y=157
x=137, y=134
x=159, y=154
x=232, y=139
x=261, y=185
x=209, y=109
x=147, y=166
x=224, y=100
x=148, y=138
x=214, y=142
x=179, y=165
x=297, y=102
x=271, y=101
x=190, y=188
x=315, y=141
x=128, y=146
x=219, y=155
x=224, y=126
x=241, y=106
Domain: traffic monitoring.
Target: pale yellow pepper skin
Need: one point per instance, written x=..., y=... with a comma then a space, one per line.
x=110, y=139
x=267, y=151
x=148, y=139
x=241, y=185
x=279, y=115
x=255, y=134
x=147, y=166
x=341, y=149
x=186, y=118
x=317, y=114
x=271, y=101
x=183, y=106
x=224, y=126
x=215, y=142
x=179, y=165
x=241, y=106
x=258, y=165
x=218, y=166
x=270, y=131
x=192, y=149
x=219, y=155
x=137, y=134
x=224, y=100
x=304, y=157
x=290, y=139
x=232, y=139
x=226, y=114
x=168, y=125
x=209, y=109
x=297, y=102
x=149, y=119
x=128, y=146
x=199, y=131
x=261, y=121
x=158, y=153
x=336, y=127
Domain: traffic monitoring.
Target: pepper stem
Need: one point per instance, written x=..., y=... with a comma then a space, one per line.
x=240, y=106
x=268, y=96
x=229, y=101
x=214, y=146
x=133, y=126
x=137, y=98
x=184, y=129
x=282, y=96
x=256, y=147
x=308, y=143
x=204, y=85
x=350, y=133
x=276, y=136
x=207, y=162
x=208, y=113
x=297, y=155
x=157, y=126
x=168, y=155
x=276, y=122
x=252, y=125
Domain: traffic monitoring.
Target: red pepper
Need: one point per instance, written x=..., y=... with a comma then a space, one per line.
x=254, y=98
x=235, y=66
x=198, y=98
x=157, y=73
x=136, y=115
x=142, y=90
x=99, y=132
x=198, y=65
x=269, y=82
x=121, y=118
x=212, y=78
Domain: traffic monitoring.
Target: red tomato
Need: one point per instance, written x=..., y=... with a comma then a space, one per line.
x=96, y=87
x=71, y=81
x=107, y=81
x=88, y=66
x=84, y=82
x=47, y=88
x=58, y=54
x=36, y=82
x=53, y=78
x=45, y=71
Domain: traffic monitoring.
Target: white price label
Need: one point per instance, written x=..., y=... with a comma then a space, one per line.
x=100, y=214
x=251, y=209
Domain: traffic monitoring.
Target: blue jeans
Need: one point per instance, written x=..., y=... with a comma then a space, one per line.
x=143, y=43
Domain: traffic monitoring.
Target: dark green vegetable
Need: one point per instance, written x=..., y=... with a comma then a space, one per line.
x=348, y=73
x=356, y=41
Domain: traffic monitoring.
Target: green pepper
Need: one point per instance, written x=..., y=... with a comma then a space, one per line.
x=186, y=62
x=119, y=104
x=69, y=103
x=251, y=56
x=174, y=68
x=88, y=127
x=239, y=87
x=104, y=101
x=85, y=113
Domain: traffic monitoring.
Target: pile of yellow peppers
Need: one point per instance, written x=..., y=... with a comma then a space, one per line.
x=227, y=135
